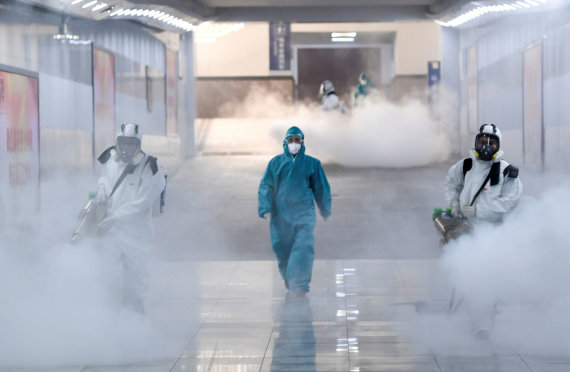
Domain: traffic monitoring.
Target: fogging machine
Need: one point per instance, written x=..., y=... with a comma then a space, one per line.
x=90, y=216
x=449, y=227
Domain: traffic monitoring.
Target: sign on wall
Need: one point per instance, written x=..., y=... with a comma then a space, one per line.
x=434, y=72
x=279, y=46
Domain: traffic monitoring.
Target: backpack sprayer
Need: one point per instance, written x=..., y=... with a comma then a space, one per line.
x=449, y=227
x=90, y=216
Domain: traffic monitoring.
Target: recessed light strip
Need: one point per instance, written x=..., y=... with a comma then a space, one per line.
x=342, y=39
x=157, y=15
x=486, y=9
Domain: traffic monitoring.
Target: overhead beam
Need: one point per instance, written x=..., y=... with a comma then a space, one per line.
x=444, y=7
x=321, y=14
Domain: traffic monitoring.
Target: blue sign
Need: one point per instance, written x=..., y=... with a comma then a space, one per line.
x=279, y=46
x=434, y=72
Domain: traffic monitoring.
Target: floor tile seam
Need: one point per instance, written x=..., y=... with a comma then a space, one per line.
x=523, y=359
x=435, y=360
x=343, y=265
x=267, y=348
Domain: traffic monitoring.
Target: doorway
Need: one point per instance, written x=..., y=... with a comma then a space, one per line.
x=342, y=66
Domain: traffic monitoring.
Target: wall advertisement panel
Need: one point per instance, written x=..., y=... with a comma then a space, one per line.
x=103, y=101
x=171, y=92
x=19, y=145
x=533, y=132
x=472, y=91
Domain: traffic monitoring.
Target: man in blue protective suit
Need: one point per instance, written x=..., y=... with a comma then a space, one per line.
x=286, y=192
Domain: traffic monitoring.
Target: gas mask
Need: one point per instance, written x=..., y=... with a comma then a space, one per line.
x=127, y=148
x=486, y=147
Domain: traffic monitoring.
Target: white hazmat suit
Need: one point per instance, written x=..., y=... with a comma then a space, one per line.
x=330, y=102
x=129, y=216
x=464, y=189
x=329, y=98
x=497, y=197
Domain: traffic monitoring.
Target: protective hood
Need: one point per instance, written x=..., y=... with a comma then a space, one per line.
x=485, y=152
x=326, y=88
x=294, y=131
x=128, y=144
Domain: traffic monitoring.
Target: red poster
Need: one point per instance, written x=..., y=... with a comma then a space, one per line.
x=104, y=100
x=19, y=131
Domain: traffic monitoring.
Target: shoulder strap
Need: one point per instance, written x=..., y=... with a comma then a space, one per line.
x=105, y=155
x=511, y=171
x=467, y=164
x=151, y=160
x=495, y=173
x=128, y=169
x=493, y=170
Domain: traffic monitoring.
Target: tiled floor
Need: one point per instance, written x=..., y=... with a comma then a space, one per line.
x=378, y=300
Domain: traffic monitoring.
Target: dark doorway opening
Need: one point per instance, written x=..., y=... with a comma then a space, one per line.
x=342, y=66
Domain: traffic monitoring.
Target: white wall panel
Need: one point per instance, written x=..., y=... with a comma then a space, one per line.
x=65, y=104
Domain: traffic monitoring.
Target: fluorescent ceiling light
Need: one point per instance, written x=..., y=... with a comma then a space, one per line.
x=89, y=4
x=343, y=34
x=342, y=39
x=98, y=6
x=208, y=32
x=66, y=37
x=477, y=10
x=154, y=14
x=76, y=2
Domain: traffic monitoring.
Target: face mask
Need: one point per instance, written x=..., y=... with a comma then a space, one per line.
x=127, y=148
x=294, y=148
x=485, y=152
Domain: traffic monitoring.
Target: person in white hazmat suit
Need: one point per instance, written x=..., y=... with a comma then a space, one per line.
x=483, y=187
x=329, y=98
x=131, y=181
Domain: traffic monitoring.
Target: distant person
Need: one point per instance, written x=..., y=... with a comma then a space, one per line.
x=329, y=98
x=291, y=185
x=362, y=90
x=131, y=181
x=483, y=187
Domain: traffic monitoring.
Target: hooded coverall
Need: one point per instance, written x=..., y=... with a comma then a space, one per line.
x=287, y=190
x=130, y=207
x=492, y=203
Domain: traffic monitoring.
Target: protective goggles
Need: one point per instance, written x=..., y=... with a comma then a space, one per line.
x=128, y=142
x=294, y=138
x=487, y=140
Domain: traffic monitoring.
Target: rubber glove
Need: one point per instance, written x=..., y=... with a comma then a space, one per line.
x=469, y=211
x=456, y=211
